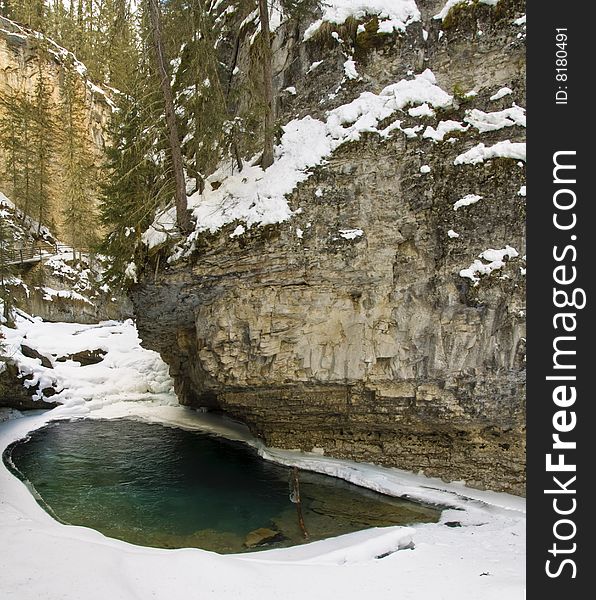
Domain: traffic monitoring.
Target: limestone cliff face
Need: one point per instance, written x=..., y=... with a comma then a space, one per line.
x=373, y=348
x=20, y=57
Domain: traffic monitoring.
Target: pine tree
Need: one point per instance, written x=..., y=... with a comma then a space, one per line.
x=32, y=13
x=182, y=216
x=80, y=174
x=197, y=84
x=16, y=137
x=120, y=50
x=11, y=139
x=135, y=180
x=269, y=119
x=43, y=135
x=6, y=269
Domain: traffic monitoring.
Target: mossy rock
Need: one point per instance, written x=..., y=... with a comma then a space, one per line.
x=466, y=14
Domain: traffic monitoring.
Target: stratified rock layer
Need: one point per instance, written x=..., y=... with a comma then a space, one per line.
x=374, y=348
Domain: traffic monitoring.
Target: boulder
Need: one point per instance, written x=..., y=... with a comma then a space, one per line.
x=85, y=357
x=33, y=353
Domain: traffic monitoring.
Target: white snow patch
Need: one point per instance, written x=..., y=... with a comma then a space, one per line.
x=505, y=91
x=314, y=65
x=520, y=21
x=238, y=231
x=350, y=234
x=394, y=15
x=350, y=69
x=424, y=110
x=480, y=153
x=496, y=260
x=49, y=294
x=443, y=128
x=409, y=132
x=364, y=113
x=467, y=200
x=163, y=225
x=493, y=121
x=131, y=271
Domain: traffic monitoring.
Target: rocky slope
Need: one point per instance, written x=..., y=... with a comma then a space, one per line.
x=381, y=322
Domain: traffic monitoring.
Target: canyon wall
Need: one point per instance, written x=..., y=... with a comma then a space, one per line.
x=373, y=346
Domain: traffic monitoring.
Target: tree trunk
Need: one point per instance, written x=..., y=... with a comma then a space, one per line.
x=182, y=216
x=267, y=157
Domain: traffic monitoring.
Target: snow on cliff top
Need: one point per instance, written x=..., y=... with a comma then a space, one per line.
x=258, y=197
x=394, y=15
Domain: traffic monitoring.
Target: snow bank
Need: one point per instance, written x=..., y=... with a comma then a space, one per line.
x=394, y=15
x=127, y=370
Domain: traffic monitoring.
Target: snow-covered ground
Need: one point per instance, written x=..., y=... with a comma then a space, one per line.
x=482, y=559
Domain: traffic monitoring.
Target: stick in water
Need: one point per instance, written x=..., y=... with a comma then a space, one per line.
x=298, y=502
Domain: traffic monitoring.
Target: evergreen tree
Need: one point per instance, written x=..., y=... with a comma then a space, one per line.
x=31, y=13
x=269, y=117
x=182, y=216
x=43, y=136
x=121, y=50
x=200, y=96
x=80, y=173
x=135, y=179
x=12, y=139
x=6, y=269
x=16, y=137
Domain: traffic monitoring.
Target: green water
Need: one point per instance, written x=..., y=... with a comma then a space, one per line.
x=169, y=488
